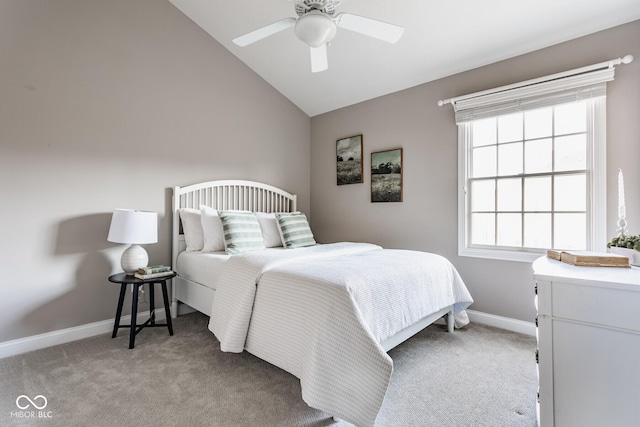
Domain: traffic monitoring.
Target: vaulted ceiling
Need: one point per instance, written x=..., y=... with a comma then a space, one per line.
x=441, y=38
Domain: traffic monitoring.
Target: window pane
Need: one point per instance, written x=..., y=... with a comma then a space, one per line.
x=510, y=128
x=571, y=153
x=570, y=193
x=530, y=179
x=484, y=161
x=510, y=159
x=510, y=230
x=510, y=194
x=537, y=156
x=483, y=229
x=484, y=132
x=537, y=194
x=537, y=123
x=570, y=231
x=570, y=118
x=483, y=194
x=537, y=230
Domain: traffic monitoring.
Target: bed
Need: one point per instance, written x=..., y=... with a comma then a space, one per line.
x=326, y=313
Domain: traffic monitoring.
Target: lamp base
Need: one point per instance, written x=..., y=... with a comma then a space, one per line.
x=133, y=258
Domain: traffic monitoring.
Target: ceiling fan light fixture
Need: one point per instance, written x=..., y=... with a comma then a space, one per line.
x=315, y=28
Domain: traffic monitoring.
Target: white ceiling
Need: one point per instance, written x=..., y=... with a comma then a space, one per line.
x=441, y=38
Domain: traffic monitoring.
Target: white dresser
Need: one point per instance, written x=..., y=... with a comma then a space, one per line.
x=588, y=345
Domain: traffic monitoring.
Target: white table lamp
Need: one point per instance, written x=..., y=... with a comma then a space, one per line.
x=137, y=228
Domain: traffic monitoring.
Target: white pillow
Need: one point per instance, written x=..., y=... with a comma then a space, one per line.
x=212, y=229
x=269, y=227
x=241, y=231
x=294, y=230
x=192, y=229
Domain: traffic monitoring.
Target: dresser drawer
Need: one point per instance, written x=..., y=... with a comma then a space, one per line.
x=616, y=308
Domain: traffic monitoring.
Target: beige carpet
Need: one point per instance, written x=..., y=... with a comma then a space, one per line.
x=477, y=376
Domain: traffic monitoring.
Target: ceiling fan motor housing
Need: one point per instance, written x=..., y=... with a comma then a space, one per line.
x=324, y=6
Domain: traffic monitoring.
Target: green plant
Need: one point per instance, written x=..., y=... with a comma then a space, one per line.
x=623, y=241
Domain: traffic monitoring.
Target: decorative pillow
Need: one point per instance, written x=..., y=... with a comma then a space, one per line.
x=294, y=230
x=270, y=231
x=212, y=230
x=241, y=231
x=192, y=229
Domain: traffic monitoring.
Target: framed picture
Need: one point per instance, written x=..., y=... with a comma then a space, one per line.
x=349, y=160
x=386, y=176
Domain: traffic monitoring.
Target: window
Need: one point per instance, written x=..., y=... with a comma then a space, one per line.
x=532, y=170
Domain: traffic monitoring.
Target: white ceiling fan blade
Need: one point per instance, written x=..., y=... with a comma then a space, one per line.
x=319, y=60
x=265, y=31
x=370, y=27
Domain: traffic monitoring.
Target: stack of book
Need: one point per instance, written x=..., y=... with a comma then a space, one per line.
x=589, y=259
x=153, y=271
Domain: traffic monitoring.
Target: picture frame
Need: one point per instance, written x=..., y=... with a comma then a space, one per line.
x=386, y=176
x=349, y=160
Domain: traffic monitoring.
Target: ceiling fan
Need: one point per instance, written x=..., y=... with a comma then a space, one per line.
x=317, y=26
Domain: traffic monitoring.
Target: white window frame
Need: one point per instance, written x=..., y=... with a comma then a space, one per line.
x=546, y=91
x=596, y=197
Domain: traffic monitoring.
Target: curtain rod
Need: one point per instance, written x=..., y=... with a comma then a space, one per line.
x=606, y=64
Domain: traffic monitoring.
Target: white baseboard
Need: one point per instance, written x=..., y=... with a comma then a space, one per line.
x=62, y=336
x=514, y=325
x=49, y=339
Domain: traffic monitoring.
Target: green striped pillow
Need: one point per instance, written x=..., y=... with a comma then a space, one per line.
x=241, y=231
x=294, y=230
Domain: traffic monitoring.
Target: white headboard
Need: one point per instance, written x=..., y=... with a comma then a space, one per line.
x=226, y=194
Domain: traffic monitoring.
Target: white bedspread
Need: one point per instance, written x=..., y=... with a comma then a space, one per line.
x=338, y=301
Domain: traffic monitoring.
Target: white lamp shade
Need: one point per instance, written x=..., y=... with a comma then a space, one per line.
x=135, y=227
x=132, y=226
x=315, y=28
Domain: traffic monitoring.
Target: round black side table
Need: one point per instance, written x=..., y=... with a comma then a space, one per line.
x=123, y=279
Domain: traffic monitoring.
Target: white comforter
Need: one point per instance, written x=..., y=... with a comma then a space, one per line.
x=320, y=313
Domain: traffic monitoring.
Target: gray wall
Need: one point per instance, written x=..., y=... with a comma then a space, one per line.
x=427, y=219
x=109, y=104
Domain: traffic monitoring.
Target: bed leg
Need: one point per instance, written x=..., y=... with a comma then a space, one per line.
x=174, y=308
x=450, y=321
x=174, y=300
